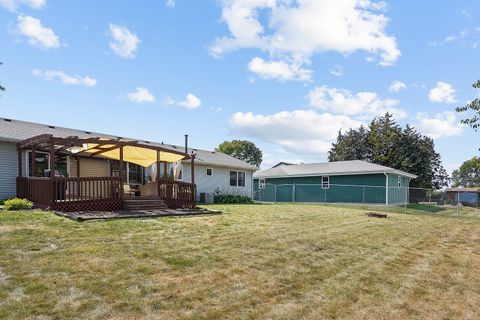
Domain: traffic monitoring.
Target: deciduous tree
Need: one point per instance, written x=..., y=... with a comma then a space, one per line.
x=243, y=150
x=474, y=106
x=468, y=175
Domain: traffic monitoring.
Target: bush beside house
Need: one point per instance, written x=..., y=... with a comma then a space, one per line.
x=232, y=199
x=17, y=204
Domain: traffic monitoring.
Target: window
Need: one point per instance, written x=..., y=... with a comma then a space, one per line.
x=233, y=178
x=237, y=179
x=135, y=173
x=241, y=179
x=325, y=182
x=399, y=181
x=209, y=172
x=115, y=165
x=42, y=163
x=261, y=184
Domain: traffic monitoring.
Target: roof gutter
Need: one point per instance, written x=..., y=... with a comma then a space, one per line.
x=260, y=176
x=9, y=139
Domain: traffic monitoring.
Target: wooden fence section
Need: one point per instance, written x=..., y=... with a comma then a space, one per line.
x=177, y=194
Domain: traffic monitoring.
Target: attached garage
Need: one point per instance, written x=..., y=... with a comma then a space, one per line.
x=333, y=182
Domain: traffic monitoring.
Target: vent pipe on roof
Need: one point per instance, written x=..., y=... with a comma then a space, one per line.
x=186, y=143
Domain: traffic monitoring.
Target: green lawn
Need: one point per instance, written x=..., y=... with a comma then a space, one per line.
x=254, y=261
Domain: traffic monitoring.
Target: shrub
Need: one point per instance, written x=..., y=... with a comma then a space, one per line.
x=17, y=204
x=230, y=198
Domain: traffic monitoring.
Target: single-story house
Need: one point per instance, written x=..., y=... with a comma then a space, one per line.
x=465, y=196
x=86, y=163
x=335, y=182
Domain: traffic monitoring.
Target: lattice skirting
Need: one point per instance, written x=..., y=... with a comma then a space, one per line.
x=177, y=203
x=96, y=205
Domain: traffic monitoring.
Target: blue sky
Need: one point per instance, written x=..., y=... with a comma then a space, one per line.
x=284, y=74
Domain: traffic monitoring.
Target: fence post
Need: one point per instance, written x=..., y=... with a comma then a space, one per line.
x=293, y=192
x=363, y=196
x=458, y=203
x=325, y=197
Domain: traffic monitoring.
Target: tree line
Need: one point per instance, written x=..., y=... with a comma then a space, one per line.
x=386, y=143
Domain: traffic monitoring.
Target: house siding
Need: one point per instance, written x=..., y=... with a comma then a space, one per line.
x=90, y=167
x=8, y=169
x=367, y=188
x=396, y=194
x=219, y=180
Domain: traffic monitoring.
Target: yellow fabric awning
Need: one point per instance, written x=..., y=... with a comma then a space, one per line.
x=135, y=154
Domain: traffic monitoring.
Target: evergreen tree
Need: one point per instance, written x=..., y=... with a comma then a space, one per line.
x=386, y=143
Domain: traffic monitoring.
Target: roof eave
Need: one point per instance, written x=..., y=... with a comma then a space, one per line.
x=408, y=175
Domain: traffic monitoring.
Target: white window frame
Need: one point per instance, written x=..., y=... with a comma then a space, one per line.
x=399, y=182
x=211, y=172
x=326, y=185
x=236, y=185
x=261, y=184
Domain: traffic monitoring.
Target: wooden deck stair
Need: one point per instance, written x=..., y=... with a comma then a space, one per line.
x=144, y=203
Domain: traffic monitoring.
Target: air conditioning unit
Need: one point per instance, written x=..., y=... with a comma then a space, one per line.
x=207, y=198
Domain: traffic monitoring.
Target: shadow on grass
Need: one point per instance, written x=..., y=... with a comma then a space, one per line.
x=427, y=208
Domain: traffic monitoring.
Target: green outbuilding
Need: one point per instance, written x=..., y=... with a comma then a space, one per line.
x=333, y=182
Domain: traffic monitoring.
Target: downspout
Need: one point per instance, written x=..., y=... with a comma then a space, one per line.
x=386, y=188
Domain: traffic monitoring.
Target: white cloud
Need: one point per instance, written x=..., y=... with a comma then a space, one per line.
x=295, y=30
x=191, y=102
x=65, y=78
x=279, y=70
x=13, y=5
x=397, y=86
x=298, y=131
x=451, y=38
x=441, y=125
x=124, y=43
x=443, y=92
x=141, y=95
x=364, y=104
x=37, y=34
x=337, y=71
x=170, y=3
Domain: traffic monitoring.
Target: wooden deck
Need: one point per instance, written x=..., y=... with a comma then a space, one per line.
x=97, y=193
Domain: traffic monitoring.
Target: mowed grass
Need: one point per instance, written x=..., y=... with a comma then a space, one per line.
x=254, y=261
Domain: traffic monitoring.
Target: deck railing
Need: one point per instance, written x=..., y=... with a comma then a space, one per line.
x=73, y=193
x=37, y=190
x=95, y=193
x=177, y=194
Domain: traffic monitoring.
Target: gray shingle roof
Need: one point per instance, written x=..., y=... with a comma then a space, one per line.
x=17, y=130
x=328, y=168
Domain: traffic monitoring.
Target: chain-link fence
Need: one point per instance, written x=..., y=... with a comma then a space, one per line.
x=391, y=199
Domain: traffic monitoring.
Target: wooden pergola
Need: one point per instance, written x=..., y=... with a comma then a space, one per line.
x=97, y=193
